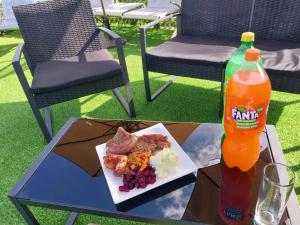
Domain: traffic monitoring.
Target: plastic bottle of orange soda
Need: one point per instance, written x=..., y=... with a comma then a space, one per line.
x=247, y=100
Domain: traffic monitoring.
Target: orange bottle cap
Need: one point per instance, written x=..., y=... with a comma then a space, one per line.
x=252, y=54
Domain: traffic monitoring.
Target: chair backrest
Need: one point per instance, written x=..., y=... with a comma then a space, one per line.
x=7, y=5
x=166, y=4
x=277, y=20
x=57, y=29
x=222, y=18
x=97, y=3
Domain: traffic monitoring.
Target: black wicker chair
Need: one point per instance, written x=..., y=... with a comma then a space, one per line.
x=207, y=34
x=67, y=57
x=208, y=31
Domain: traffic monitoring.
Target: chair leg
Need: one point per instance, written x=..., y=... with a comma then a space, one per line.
x=147, y=84
x=48, y=120
x=221, y=106
x=149, y=96
x=127, y=105
x=163, y=87
x=71, y=220
x=40, y=120
x=130, y=100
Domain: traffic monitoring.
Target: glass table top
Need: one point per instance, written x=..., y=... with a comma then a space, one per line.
x=71, y=174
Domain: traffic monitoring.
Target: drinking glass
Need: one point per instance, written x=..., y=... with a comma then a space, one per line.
x=275, y=189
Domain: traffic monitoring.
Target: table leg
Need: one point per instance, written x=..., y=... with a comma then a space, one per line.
x=29, y=217
x=25, y=212
x=72, y=218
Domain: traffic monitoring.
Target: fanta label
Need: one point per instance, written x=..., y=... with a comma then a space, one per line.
x=246, y=118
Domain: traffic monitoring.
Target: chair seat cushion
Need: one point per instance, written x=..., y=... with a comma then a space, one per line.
x=195, y=50
x=62, y=73
x=280, y=56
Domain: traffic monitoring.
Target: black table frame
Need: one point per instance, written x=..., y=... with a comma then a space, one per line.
x=293, y=209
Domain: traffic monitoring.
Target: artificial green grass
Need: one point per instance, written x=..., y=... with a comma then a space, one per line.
x=185, y=100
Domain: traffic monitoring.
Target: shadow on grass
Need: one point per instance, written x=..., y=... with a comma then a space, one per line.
x=276, y=109
x=295, y=168
x=5, y=49
x=8, y=70
x=179, y=102
x=5, y=63
x=3, y=68
x=297, y=190
x=292, y=149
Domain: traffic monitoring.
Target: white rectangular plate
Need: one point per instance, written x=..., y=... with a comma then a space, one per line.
x=185, y=167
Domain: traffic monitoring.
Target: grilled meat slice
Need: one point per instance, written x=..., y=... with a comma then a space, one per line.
x=122, y=143
x=151, y=142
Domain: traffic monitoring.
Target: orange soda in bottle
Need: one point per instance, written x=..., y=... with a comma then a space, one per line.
x=247, y=100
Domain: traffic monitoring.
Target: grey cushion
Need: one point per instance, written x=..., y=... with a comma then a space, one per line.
x=88, y=67
x=279, y=56
x=195, y=50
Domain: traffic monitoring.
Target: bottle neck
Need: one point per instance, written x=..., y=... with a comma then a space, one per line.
x=247, y=44
x=252, y=65
x=252, y=61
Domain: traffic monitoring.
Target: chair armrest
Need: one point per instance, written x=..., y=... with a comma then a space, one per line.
x=18, y=54
x=155, y=22
x=140, y=6
x=110, y=33
x=120, y=50
x=18, y=69
x=175, y=3
x=143, y=30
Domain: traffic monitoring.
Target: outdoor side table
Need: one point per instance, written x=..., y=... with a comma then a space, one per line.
x=68, y=176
